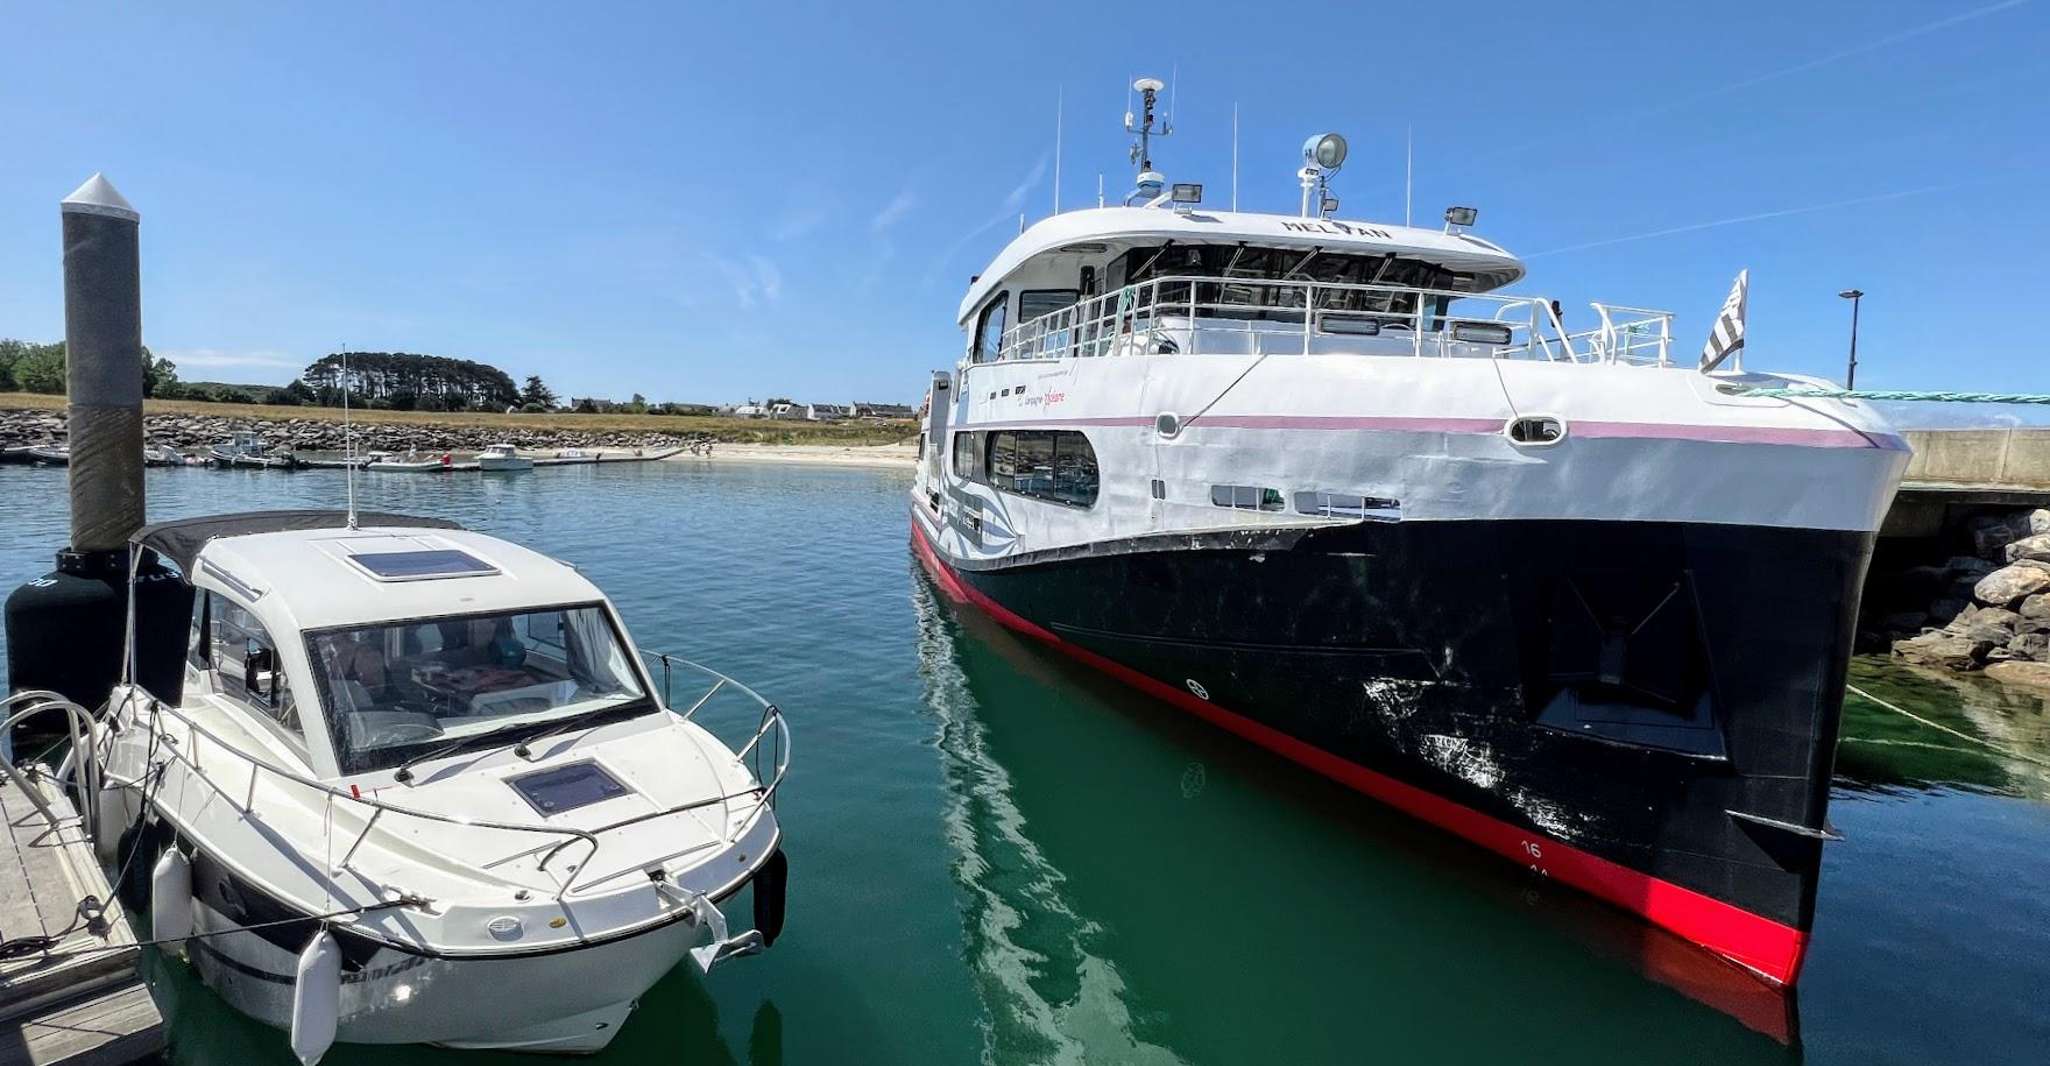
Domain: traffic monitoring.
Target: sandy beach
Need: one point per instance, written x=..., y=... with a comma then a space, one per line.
x=902, y=456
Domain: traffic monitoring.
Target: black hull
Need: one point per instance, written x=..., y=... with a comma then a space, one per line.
x=1648, y=711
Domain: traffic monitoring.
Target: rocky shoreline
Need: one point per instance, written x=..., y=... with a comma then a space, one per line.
x=195, y=433
x=1986, y=611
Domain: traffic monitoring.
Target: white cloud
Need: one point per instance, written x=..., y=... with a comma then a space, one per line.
x=754, y=281
x=894, y=211
x=767, y=278
x=800, y=223
x=215, y=357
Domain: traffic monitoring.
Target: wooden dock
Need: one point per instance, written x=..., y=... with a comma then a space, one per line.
x=81, y=1001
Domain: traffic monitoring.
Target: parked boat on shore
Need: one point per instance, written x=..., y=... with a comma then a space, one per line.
x=417, y=786
x=1321, y=483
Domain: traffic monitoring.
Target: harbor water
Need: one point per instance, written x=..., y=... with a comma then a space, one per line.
x=997, y=856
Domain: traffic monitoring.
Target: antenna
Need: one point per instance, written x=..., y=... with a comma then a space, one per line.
x=1408, y=168
x=1060, y=101
x=1099, y=188
x=1234, y=155
x=1174, y=88
x=348, y=439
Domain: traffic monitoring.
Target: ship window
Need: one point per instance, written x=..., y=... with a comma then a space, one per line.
x=1246, y=497
x=989, y=329
x=1045, y=464
x=1346, y=505
x=1039, y=302
x=964, y=456
x=233, y=646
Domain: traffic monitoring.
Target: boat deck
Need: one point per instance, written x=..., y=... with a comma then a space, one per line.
x=81, y=1002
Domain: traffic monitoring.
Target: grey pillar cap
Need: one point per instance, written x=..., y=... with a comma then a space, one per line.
x=99, y=197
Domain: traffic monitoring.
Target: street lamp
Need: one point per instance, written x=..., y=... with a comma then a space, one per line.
x=1851, y=374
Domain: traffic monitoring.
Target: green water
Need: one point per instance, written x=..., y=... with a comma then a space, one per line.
x=997, y=856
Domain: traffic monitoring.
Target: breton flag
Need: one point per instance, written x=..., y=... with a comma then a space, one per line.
x=1727, y=338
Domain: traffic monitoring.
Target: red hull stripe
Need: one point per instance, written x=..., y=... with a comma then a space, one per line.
x=1757, y=942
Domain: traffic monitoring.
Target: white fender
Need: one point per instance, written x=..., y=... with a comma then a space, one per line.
x=317, y=998
x=170, y=900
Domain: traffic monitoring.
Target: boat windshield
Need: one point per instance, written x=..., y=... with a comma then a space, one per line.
x=393, y=690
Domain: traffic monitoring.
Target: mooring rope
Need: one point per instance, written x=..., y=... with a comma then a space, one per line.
x=1813, y=392
x=2008, y=752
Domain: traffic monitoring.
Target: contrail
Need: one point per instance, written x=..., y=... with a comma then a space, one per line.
x=1799, y=68
x=1759, y=217
x=1833, y=57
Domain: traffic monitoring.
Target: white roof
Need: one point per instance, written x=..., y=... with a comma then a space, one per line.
x=1138, y=225
x=307, y=580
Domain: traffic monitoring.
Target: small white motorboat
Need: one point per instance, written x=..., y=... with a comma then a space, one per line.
x=502, y=457
x=411, y=463
x=419, y=786
x=248, y=448
x=162, y=455
x=50, y=454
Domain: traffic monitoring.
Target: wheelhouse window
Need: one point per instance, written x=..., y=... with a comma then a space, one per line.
x=236, y=652
x=1246, y=497
x=1057, y=465
x=1036, y=302
x=989, y=329
x=1248, y=281
x=395, y=690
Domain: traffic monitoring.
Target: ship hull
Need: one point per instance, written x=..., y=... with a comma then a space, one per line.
x=1645, y=711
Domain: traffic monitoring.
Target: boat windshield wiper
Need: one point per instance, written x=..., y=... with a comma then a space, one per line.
x=404, y=773
x=603, y=716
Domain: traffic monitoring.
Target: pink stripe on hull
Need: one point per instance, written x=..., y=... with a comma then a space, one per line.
x=1788, y=436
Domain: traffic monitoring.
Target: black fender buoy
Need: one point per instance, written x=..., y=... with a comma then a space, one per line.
x=772, y=883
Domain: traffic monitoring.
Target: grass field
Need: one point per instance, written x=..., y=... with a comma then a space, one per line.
x=719, y=427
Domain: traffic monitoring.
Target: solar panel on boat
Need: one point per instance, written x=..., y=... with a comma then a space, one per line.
x=440, y=562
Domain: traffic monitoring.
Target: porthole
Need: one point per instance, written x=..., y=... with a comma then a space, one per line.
x=1535, y=430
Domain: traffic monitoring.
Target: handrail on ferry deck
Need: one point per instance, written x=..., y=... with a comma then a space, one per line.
x=1161, y=316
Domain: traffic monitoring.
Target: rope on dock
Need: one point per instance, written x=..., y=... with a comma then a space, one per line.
x=1813, y=392
x=2008, y=752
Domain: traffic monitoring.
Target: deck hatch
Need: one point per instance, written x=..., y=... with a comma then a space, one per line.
x=565, y=788
x=421, y=565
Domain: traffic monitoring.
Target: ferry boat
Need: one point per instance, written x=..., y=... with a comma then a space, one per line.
x=1328, y=485
x=417, y=785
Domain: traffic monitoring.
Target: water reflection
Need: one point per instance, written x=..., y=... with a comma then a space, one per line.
x=2005, y=748
x=1144, y=888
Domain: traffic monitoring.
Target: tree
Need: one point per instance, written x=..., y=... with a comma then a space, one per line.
x=295, y=394
x=41, y=369
x=159, y=375
x=585, y=406
x=403, y=399
x=461, y=383
x=230, y=394
x=536, y=394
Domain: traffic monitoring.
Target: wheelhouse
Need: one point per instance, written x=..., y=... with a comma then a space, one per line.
x=348, y=651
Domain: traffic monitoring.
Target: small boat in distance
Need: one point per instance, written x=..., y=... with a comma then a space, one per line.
x=415, y=784
x=247, y=448
x=502, y=457
x=163, y=455
x=50, y=454
x=411, y=463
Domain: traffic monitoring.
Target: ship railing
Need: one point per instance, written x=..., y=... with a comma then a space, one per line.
x=1192, y=315
x=247, y=770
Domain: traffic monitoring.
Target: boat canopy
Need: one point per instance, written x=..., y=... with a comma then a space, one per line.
x=181, y=541
x=1100, y=234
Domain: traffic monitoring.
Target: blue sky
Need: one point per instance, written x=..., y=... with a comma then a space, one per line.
x=724, y=201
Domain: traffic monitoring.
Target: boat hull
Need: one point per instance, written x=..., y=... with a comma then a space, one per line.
x=568, y=1000
x=1646, y=711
